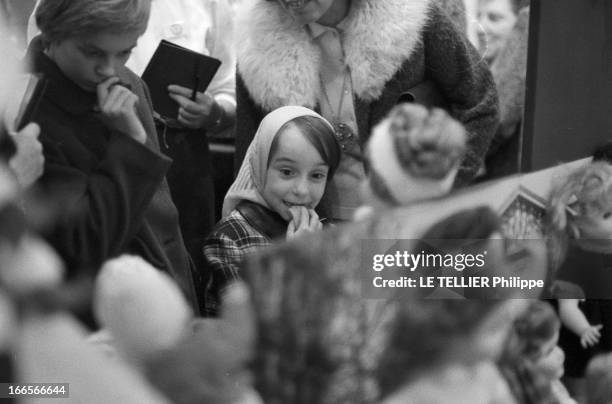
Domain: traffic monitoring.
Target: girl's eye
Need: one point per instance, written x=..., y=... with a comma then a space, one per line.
x=286, y=172
x=319, y=176
x=607, y=215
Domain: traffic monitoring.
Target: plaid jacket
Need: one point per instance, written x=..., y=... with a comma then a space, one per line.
x=230, y=241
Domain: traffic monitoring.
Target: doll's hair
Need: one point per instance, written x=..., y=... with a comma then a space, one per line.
x=584, y=193
x=533, y=329
x=62, y=19
x=319, y=134
x=599, y=379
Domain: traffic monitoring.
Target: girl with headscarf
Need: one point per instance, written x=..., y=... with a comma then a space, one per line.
x=286, y=169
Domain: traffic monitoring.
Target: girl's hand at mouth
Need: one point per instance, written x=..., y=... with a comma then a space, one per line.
x=303, y=220
x=117, y=106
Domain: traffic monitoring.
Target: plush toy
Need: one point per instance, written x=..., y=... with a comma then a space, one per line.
x=141, y=307
x=413, y=155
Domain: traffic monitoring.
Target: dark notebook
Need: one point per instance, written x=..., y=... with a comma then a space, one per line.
x=173, y=64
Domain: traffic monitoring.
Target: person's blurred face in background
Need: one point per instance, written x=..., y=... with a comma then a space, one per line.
x=496, y=19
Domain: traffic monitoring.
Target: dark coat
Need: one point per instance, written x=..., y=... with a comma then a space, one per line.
x=111, y=187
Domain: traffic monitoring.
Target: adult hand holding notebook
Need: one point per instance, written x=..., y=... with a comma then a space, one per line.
x=172, y=64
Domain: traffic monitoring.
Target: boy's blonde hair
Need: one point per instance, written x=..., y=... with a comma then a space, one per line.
x=62, y=19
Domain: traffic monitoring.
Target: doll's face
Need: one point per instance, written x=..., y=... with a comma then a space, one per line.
x=297, y=174
x=597, y=226
x=550, y=358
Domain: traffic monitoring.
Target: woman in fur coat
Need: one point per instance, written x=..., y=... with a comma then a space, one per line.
x=351, y=60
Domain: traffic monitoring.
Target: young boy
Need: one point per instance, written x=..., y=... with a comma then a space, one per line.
x=102, y=159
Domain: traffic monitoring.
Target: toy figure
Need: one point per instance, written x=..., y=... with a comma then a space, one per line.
x=580, y=213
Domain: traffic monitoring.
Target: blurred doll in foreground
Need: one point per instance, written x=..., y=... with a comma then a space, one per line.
x=413, y=155
x=532, y=362
x=149, y=326
x=320, y=340
x=443, y=349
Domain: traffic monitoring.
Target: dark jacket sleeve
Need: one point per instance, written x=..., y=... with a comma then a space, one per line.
x=103, y=208
x=248, y=117
x=466, y=82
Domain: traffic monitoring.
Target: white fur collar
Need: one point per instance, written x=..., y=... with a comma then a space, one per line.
x=279, y=63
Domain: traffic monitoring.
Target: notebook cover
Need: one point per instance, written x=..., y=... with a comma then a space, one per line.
x=174, y=64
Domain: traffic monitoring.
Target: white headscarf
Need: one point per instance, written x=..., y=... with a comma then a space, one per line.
x=252, y=175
